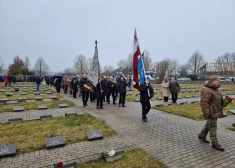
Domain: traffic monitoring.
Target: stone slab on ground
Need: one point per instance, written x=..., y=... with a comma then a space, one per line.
x=63, y=105
x=23, y=93
x=38, y=98
x=70, y=114
x=36, y=93
x=48, y=92
x=94, y=135
x=54, y=98
x=194, y=102
x=3, y=100
x=137, y=100
x=54, y=142
x=15, y=120
x=2, y=90
x=45, y=117
x=232, y=111
x=8, y=150
x=18, y=109
x=22, y=99
x=182, y=103
x=42, y=107
x=159, y=98
x=159, y=105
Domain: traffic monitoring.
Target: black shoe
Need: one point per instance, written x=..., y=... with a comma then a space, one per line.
x=97, y=107
x=108, y=103
x=218, y=147
x=203, y=139
x=84, y=105
x=233, y=124
x=145, y=120
x=101, y=108
x=114, y=103
x=123, y=106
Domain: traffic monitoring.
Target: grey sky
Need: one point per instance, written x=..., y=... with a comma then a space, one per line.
x=58, y=30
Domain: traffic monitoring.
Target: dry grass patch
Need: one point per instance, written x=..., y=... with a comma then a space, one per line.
x=131, y=159
x=34, y=105
x=231, y=128
x=31, y=135
x=192, y=111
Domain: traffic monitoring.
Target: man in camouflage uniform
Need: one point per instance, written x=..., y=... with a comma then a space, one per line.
x=211, y=99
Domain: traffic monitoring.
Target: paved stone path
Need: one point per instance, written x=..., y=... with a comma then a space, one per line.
x=168, y=138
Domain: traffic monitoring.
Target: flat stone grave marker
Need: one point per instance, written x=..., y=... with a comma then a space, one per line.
x=233, y=124
x=195, y=96
x=2, y=90
x=158, y=105
x=194, y=102
x=22, y=100
x=18, y=109
x=155, y=93
x=70, y=114
x=4, y=100
x=8, y=150
x=9, y=94
x=137, y=100
x=34, y=89
x=159, y=98
x=232, y=111
x=42, y=107
x=63, y=105
x=55, y=142
x=170, y=98
x=94, y=135
x=182, y=103
x=38, y=98
x=15, y=120
x=23, y=93
x=36, y=93
x=54, y=97
x=137, y=94
x=48, y=92
x=179, y=97
x=187, y=97
x=45, y=117
x=158, y=88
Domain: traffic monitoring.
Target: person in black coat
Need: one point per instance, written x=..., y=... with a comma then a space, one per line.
x=85, y=94
x=99, y=94
x=112, y=88
x=146, y=93
x=75, y=83
x=122, y=91
x=58, y=82
x=105, y=89
x=38, y=82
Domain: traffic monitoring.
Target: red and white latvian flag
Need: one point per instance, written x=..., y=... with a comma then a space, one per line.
x=136, y=53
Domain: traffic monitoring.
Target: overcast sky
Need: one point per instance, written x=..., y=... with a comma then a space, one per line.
x=58, y=30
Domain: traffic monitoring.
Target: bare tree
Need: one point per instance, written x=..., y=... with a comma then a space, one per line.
x=89, y=63
x=129, y=61
x=68, y=71
x=183, y=70
x=122, y=64
x=166, y=67
x=195, y=62
x=108, y=69
x=147, y=61
x=1, y=64
x=80, y=64
x=27, y=62
x=41, y=67
x=225, y=64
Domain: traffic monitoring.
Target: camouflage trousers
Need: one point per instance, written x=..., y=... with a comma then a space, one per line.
x=210, y=126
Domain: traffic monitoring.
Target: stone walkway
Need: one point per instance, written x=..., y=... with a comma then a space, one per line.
x=168, y=138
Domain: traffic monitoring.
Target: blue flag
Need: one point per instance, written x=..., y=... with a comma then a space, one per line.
x=141, y=71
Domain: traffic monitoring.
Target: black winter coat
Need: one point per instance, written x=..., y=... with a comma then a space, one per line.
x=144, y=97
x=83, y=81
x=112, y=87
x=38, y=80
x=98, y=90
x=121, y=86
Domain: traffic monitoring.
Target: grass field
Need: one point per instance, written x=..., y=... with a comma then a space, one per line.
x=34, y=105
x=192, y=111
x=31, y=135
x=131, y=159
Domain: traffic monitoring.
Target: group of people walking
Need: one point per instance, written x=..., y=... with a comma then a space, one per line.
x=104, y=89
x=168, y=87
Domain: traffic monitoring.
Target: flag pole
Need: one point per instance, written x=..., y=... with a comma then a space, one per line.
x=145, y=76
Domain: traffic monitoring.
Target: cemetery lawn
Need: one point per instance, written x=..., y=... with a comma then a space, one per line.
x=130, y=159
x=231, y=128
x=192, y=111
x=34, y=105
x=30, y=97
x=31, y=135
